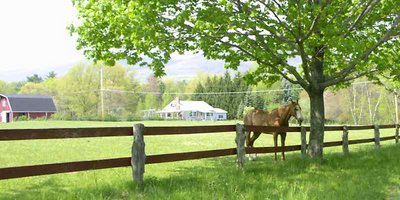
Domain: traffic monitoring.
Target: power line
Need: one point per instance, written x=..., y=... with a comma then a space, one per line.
x=216, y=93
x=363, y=82
x=205, y=93
x=196, y=93
x=80, y=92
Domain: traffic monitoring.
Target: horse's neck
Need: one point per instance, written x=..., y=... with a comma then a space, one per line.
x=284, y=115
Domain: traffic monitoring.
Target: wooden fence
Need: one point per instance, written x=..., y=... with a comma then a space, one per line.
x=139, y=159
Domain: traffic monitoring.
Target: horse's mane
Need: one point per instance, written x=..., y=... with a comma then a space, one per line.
x=276, y=109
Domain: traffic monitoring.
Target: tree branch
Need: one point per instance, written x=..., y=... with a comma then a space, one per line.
x=314, y=23
x=338, y=13
x=365, y=11
x=277, y=70
x=351, y=66
x=284, y=63
x=279, y=20
x=274, y=33
x=279, y=6
x=352, y=78
x=304, y=60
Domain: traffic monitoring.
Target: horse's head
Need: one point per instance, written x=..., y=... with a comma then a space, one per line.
x=295, y=111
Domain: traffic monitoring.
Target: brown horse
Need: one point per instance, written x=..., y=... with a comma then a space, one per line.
x=278, y=117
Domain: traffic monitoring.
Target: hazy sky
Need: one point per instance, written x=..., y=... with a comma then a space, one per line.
x=34, y=39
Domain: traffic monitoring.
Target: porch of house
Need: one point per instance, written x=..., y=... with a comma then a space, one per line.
x=187, y=115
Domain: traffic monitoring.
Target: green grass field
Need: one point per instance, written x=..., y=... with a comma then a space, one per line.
x=365, y=174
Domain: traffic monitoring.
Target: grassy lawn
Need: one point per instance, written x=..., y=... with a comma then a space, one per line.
x=365, y=174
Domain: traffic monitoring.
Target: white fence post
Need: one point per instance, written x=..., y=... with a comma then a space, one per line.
x=377, y=136
x=240, y=148
x=397, y=133
x=345, y=140
x=138, y=154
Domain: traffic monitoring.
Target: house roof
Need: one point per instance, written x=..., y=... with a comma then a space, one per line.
x=199, y=106
x=31, y=103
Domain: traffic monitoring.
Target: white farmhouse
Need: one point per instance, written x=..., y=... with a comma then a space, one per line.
x=192, y=110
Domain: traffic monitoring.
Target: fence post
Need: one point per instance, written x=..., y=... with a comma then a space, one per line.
x=303, y=141
x=138, y=154
x=377, y=136
x=397, y=133
x=345, y=140
x=240, y=149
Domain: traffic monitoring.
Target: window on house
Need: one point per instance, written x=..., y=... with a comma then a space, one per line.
x=3, y=103
x=209, y=114
x=220, y=116
x=169, y=115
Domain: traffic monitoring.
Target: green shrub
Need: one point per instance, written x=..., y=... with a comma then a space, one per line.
x=22, y=118
x=132, y=117
x=39, y=119
x=111, y=117
x=60, y=116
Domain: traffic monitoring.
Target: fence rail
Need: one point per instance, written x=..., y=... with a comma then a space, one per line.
x=35, y=170
x=63, y=133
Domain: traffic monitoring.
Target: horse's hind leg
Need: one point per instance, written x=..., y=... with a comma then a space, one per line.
x=247, y=133
x=283, y=138
x=275, y=135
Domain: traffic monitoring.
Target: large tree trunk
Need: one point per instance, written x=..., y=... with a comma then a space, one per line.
x=317, y=121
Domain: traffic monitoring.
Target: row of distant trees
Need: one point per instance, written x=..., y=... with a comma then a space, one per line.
x=77, y=95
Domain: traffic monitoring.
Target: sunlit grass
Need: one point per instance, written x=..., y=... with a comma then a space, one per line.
x=365, y=174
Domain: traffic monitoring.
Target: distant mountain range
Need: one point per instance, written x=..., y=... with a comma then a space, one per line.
x=184, y=68
x=181, y=67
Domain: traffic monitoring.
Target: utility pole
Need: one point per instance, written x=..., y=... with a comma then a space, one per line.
x=102, y=93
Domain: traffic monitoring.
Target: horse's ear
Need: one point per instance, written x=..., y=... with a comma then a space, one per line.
x=294, y=102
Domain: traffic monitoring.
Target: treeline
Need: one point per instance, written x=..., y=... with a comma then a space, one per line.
x=362, y=103
x=219, y=92
x=234, y=95
x=77, y=95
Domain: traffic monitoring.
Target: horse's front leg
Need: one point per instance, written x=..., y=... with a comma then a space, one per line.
x=248, y=141
x=275, y=135
x=283, y=138
x=253, y=139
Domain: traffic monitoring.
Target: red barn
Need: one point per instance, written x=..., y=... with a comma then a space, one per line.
x=31, y=106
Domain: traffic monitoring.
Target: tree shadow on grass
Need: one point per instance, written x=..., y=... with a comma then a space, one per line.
x=365, y=174
x=50, y=186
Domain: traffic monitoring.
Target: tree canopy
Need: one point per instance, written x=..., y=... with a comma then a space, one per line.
x=356, y=37
x=336, y=40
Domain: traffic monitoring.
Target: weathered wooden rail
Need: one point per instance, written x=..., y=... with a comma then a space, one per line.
x=139, y=158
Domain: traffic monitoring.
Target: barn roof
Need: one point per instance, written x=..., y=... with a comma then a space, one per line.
x=31, y=103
